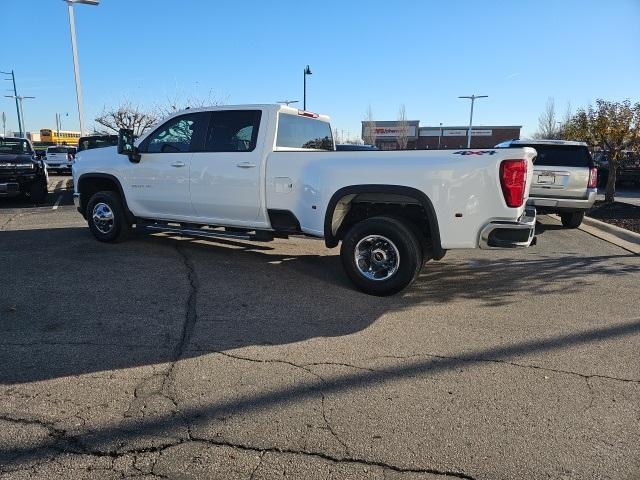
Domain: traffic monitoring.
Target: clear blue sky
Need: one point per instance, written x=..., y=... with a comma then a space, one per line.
x=362, y=52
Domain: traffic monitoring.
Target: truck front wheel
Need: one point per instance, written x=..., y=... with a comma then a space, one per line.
x=38, y=191
x=106, y=217
x=381, y=255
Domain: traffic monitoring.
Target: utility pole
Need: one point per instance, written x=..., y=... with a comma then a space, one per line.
x=440, y=136
x=15, y=95
x=19, y=99
x=473, y=99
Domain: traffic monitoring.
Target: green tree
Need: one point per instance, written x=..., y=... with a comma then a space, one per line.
x=613, y=127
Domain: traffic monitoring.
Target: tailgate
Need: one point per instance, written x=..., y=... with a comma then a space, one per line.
x=561, y=182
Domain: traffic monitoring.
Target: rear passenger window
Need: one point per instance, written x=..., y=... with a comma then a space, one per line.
x=233, y=131
x=303, y=132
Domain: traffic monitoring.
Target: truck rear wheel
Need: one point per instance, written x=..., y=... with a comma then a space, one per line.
x=381, y=255
x=106, y=217
x=571, y=220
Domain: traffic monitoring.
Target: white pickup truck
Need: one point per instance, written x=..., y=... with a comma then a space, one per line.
x=259, y=172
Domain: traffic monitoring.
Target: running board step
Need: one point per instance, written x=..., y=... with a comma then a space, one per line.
x=199, y=232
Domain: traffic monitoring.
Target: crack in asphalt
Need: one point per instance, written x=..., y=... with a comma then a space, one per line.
x=164, y=390
x=253, y=473
x=309, y=371
x=71, y=444
x=504, y=362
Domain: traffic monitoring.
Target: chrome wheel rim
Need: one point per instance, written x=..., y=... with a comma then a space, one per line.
x=377, y=258
x=103, y=217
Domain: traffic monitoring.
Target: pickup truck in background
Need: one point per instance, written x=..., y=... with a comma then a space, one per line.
x=21, y=173
x=259, y=172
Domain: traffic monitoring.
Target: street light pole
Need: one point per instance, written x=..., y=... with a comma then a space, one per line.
x=307, y=71
x=74, y=48
x=440, y=136
x=473, y=99
x=15, y=93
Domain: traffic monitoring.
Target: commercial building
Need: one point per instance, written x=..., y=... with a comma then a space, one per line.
x=386, y=135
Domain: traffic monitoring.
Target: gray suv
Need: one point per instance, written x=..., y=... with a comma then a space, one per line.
x=565, y=178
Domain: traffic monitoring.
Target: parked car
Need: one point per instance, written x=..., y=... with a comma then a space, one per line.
x=350, y=147
x=59, y=157
x=20, y=172
x=565, y=179
x=628, y=169
x=261, y=172
x=97, y=141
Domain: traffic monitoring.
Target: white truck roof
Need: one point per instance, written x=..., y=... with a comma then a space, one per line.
x=542, y=142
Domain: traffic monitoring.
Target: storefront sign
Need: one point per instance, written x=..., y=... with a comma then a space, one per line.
x=463, y=133
x=392, y=131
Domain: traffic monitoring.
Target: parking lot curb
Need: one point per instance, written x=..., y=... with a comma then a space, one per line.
x=621, y=237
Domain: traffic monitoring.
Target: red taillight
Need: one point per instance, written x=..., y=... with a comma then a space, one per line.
x=513, y=179
x=593, y=178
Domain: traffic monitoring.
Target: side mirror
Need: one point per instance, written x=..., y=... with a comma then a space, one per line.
x=126, y=145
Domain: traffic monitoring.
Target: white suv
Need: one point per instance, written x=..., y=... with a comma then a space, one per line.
x=565, y=178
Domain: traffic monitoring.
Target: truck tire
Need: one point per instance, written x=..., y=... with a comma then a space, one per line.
x=106, y=217
x=381, y=255
x=38, y=191
x=571, y=220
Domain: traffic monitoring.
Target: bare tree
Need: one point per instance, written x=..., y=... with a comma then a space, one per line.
x=178, y=101
x=369, y=133
x=403, y=128
x=548, y=123
x=126, y=115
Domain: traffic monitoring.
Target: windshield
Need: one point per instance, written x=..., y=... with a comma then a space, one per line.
x=561, y=155
x=14, y=146
x=57, y=150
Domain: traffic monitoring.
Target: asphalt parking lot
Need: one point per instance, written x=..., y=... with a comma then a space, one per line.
x=176, y=358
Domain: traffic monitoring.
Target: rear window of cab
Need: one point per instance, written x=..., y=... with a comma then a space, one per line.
x=299, y=132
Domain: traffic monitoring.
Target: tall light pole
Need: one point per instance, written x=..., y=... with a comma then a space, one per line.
x=440, y=136
x=19, y=99
x=15, y=93
x=473, y=99
x=307, y=71
x=74, y=48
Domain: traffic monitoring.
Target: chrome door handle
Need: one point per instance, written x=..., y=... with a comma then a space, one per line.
x=245, y=165
x=178, y=164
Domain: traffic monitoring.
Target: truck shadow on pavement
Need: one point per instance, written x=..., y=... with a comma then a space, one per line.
x=153, y=300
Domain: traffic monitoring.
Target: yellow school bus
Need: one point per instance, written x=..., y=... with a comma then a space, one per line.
x=59, y=137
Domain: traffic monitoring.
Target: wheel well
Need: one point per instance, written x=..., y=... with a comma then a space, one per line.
x=352, y=205
x=89, y=185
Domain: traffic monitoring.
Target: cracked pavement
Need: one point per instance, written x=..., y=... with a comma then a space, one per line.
x=165, y=357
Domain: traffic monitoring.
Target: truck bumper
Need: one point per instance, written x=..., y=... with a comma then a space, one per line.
x=518, y=234
x=9, y=189
x=560, y=203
